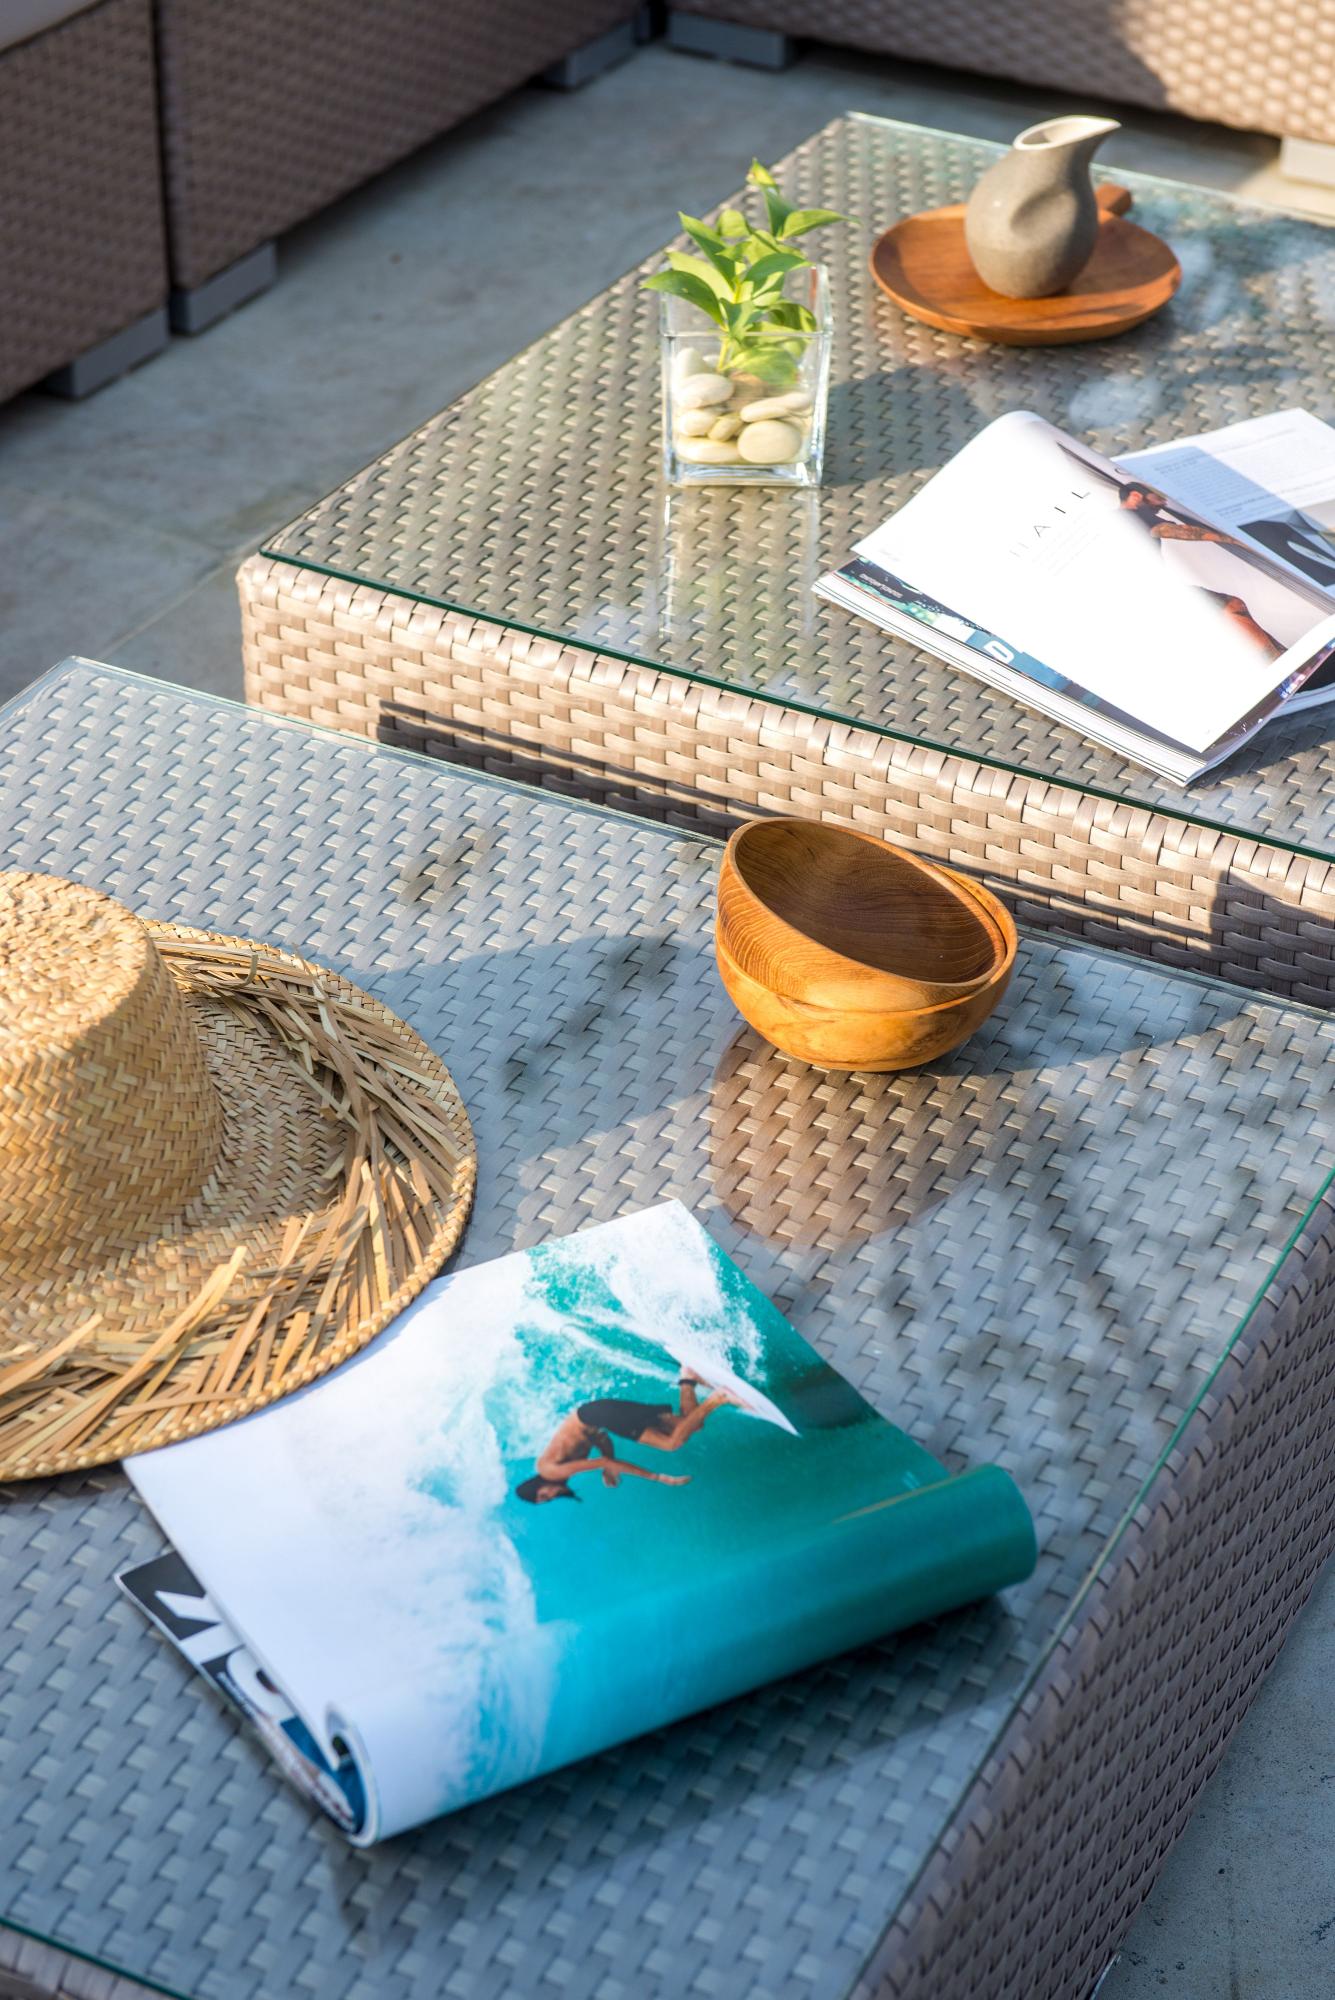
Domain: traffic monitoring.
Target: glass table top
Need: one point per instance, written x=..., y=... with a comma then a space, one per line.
x=1035, y=1252
x=536, y=501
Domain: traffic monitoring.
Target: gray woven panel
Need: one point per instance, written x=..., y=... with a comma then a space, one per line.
x=536, y=500
x=272, y=108
x=1034, y=1252
x=82, y=254
x=1268, y=69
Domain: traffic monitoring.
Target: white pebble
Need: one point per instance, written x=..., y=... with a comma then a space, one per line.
x=776, y=406
x=708, y=451
x=726, y=426
x=699, y=390
x=687, y=361
x=769, y=442
x=694, y=423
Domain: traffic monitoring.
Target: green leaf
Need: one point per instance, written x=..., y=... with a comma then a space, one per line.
x=715, y=249
x=788, y=313
x=699, y=267
x=733, y=223
x=767, y=364
x=799, y=220
x=760, y=177
x=776, y=265
x=778, y=211
x=684, y=285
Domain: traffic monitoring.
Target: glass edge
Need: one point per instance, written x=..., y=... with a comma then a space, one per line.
x=111, y=1965
x=1258, y=836
x=1104, y=1560
x=78, y=665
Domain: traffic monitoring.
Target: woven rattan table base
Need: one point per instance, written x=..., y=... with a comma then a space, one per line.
x=1035, y=1252
x=592, y=726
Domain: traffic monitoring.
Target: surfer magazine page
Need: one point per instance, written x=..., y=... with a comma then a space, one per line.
x=567, y=1497
x=1102, y=594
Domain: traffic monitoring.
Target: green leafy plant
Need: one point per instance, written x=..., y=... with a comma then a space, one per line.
x=739, y=279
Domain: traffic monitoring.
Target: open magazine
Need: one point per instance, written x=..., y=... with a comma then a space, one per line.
x=567, y=1497
x=1167, y=603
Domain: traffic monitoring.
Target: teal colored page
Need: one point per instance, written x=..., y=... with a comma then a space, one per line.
x=571, y=1495
x=809, y=1524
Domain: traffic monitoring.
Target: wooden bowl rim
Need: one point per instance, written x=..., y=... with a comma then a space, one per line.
x=990, y=911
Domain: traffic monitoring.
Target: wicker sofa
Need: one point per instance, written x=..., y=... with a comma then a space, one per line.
x=81, y=233
x=1265, y=67
x=272, y=108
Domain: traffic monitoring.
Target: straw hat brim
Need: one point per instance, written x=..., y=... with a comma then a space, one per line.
x=345, y=1176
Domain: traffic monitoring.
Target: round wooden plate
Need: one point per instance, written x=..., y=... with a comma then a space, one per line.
x=923, y=265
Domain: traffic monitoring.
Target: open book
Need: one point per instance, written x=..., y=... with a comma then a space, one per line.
x=567, y=1497
x=1167, y=603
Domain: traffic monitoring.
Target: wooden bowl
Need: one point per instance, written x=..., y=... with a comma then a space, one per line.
x=852, y=954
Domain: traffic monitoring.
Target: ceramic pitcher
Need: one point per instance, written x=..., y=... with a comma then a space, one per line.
x=1032, y=220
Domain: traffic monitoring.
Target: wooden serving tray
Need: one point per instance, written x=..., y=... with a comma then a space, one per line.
x=923, y=264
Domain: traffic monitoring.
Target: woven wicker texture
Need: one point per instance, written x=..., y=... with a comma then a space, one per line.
x=271, y=108
x=1060, y=1838
x=1268, y=68
x=588, y=726
x=536, y=500
x=1034, y=1253
x=222, y=1171
x=81, y=236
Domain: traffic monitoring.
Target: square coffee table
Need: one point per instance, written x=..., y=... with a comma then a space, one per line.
x=1094, y=1245
x=514, y=587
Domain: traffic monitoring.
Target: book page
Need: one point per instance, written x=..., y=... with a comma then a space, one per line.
x=1270, y=478
x=569, y=1496
x=1147, y=607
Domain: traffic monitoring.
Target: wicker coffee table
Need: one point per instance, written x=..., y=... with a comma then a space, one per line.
x=513, y=587
x=1095, y=1246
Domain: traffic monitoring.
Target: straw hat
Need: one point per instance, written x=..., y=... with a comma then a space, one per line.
x=222, y=1170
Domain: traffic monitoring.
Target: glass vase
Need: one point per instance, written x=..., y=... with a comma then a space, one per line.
x=723, y=426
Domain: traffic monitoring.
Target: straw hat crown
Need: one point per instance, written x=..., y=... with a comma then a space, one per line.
x=109, y=1121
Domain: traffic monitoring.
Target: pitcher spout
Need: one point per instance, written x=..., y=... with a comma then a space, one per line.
x=1073, y=134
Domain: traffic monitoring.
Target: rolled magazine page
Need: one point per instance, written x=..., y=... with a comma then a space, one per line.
x=398, y=1542
x=1155, y=611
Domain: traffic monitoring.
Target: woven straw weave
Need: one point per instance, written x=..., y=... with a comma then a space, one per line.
x=1268, y=67
x=272, y=108
x=1034, y=1253
x=81, y=238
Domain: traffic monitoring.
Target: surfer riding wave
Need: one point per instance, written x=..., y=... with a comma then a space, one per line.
x=583, y=1441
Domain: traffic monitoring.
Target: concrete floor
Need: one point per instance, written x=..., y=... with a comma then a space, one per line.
x=124, y=519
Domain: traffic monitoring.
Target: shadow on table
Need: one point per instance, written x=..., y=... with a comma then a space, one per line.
x=489, y=752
